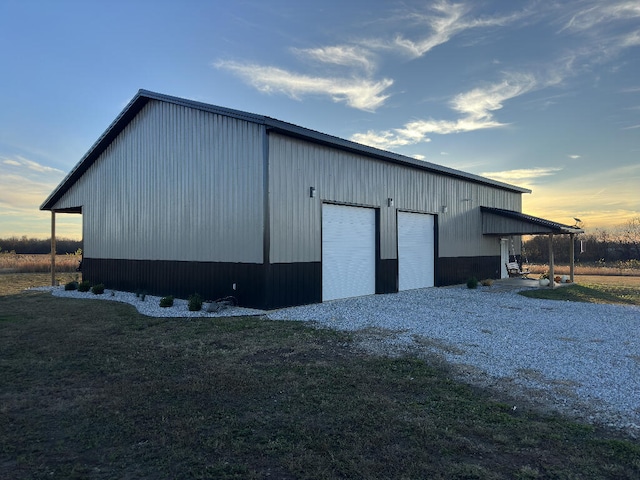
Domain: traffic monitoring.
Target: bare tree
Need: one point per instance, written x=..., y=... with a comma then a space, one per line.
x=630, y=237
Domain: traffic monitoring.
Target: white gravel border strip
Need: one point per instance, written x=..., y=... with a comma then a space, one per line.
x=150, y=306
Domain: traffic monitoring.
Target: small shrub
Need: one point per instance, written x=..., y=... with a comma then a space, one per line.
x=195, y=303
x=71, y=286
x=98, y=289
x=84, y=286
x=166, y=301
x=472, y=282
x=487, y=282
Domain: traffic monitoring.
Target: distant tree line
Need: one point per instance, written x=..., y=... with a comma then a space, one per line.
x=619, y=245
x=24, y=245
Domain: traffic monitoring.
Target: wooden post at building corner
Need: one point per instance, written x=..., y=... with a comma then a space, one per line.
x=551, y=274
x=53, y=248
x=572, y=254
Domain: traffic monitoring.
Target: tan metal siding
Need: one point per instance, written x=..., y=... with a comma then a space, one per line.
x=494, y=225
x=176, y=184
x=338, y=176
x=461, y=226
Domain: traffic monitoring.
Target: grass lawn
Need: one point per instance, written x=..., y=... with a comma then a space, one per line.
x=594, y=289
x=95, y=390
x=12, y=283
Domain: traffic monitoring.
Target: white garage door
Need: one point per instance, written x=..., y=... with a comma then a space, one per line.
x=348, y=251
x=415, y=250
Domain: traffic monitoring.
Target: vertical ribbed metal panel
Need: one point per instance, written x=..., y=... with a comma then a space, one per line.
x=296, y=165
x=176, y=184
x=495, y=223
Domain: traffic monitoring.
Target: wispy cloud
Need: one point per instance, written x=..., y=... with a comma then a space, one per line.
x=522, y=175
x=607, y=28
x=598, y=13
x=22, y=193
x=35, y=166
x=476, y=106
x=20, y=161
x=478, y=103
x=631, y=39
x=351, y=56
x=360, y=93
x=24, y=183
x=574, y=157
x=443, y=20
x=352, y=81
x=389, y=139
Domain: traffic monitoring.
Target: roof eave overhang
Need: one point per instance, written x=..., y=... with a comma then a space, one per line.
x=522, y=224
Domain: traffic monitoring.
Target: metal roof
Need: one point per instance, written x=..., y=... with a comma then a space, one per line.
x=144, y=96
x=526, y=224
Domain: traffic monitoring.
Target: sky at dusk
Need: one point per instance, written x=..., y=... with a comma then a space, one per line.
x=540, y=94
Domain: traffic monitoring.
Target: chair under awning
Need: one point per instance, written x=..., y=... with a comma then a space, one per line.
x=501, y=222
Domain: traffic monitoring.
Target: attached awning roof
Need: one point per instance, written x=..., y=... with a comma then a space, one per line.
x=497, y=221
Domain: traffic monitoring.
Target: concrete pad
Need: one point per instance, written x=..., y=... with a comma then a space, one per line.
x=518, y=282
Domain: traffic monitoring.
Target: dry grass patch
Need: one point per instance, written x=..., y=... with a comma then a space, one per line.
x=18, y=263
x=620, y=270
x=615, y=280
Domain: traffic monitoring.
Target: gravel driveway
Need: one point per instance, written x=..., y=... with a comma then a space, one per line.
x=577, y=358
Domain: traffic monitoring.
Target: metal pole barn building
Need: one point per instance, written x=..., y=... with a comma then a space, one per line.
x=179, y=197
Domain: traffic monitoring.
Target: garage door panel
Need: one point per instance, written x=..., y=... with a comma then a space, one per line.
x=348, y=251
x=416, y=252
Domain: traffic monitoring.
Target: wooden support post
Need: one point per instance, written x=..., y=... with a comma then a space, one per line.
x=571, y=255
x=53, y=248
x=551, y=274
